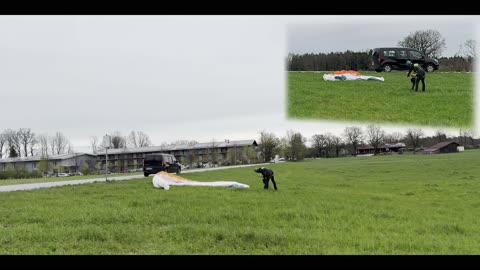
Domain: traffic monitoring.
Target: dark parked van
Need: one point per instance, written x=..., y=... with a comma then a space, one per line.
x=154, y=163
x=388, y=59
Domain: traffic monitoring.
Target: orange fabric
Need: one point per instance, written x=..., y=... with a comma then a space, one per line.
x=174, y=175
x=353, y=72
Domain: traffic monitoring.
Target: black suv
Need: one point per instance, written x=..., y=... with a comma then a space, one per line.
x=154, y=163
x=387, y=59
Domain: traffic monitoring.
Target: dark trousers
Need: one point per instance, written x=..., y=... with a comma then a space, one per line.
x=417, y=82
x=265, y=182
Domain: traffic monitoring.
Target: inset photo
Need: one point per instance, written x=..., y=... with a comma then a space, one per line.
x=409, y=71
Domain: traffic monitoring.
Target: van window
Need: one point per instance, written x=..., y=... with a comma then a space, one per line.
x=389, y=53
x=402, y=53
x=416, y=55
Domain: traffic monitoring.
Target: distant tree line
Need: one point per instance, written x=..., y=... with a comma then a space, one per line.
x=361, y=61
x=24, y=142
x=294, y=147
x=456, y=63
x=429, y=42
x=348, y=60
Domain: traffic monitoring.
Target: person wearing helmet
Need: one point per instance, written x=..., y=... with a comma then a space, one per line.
x=418, y=73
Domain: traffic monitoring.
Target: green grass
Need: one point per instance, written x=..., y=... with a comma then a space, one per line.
x=448, y=100
x=404, y=204
x=4, y=182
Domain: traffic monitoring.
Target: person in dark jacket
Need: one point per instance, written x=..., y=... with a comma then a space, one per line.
x=413, y=75
x=267, y=176
x=419, y=75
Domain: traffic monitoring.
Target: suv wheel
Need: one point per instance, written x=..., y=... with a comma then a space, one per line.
x=146, y=174
x=387, y=68
x=430, y=68
x=179, y=170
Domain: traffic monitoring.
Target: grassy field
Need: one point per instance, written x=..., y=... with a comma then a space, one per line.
x=448, y=100
x=404, y=204
x=4, y=182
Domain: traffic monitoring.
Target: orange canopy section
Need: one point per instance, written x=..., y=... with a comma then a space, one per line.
x=340, y=72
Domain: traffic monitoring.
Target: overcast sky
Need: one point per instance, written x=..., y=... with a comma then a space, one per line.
x=175, y=77
x=370, y=32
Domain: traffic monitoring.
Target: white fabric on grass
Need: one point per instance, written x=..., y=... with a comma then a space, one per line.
x=165, y=180
x=350, y=77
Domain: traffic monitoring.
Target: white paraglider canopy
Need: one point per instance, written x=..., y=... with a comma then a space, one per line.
x=165, y=180
x=350, y=75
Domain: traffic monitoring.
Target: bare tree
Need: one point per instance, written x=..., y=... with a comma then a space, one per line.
x=354, y=136
x=139, y=139
x=375, y=136
x=94, y=143
x=143, y=139
x=319, y=143
x=181, y=142
x=3, y=141
x=295, y=145
x=132, y=139
x=268, y=144
x=43, y=140
x=429, y=42
x=336, y=142
x=440, y=135
x=471, y=48
x=26, y=137
x=333, y=144
x=329, y=144
x=414, y=136
x=472, y=134
x=281, y=148
x=70, y=149
x=394, y=137
x=14, y=143
x=59, y=143
x=43, y=143
x=52, y=144
x=33, y=143
x=117, y=140
x=467, y=134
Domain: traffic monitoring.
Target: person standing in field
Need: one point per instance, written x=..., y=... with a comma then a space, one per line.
x=418, y=74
